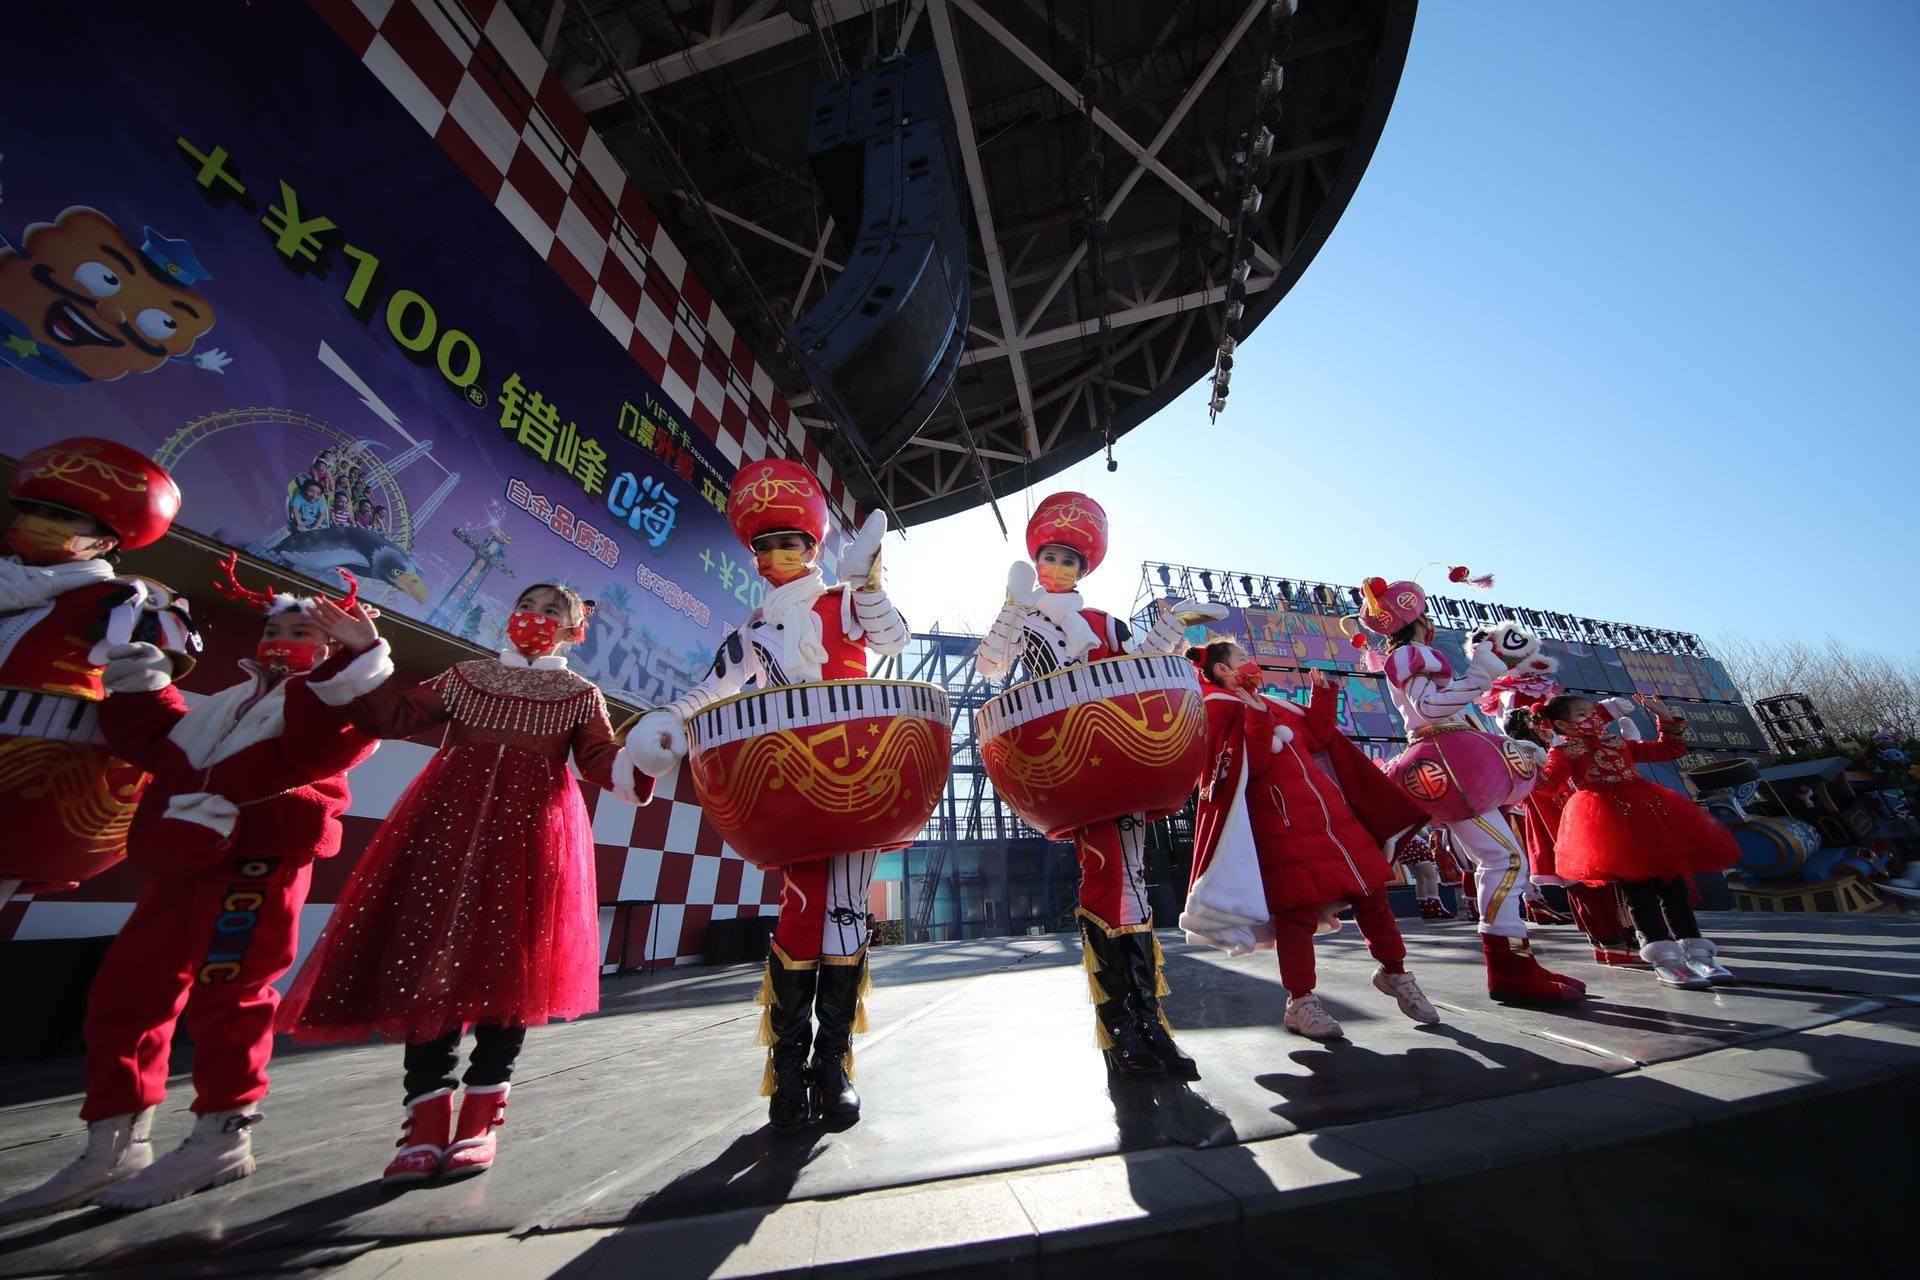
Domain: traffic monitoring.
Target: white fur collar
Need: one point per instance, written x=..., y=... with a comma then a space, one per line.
x=512, y=657
x=789, y=608
x=1062, y=609
x=219, y=727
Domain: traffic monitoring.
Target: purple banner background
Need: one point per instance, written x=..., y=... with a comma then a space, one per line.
x=349, y=153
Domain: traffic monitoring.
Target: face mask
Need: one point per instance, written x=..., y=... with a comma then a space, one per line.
x=38, y=541
x=781, y=565
x=290, y=657
x=1247, y=676
x=533, y=634
x=1058, y=579
x=1591, y=725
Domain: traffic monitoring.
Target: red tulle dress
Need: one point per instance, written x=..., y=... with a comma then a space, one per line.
x=1617, y=826
x=475, y=903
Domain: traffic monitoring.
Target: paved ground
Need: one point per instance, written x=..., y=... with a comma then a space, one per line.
x=981, y=1062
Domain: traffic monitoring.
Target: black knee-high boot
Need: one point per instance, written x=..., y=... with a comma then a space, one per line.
x=839, y=1010
x=1109, y=984
x=786, y=1028
x=1145, y=987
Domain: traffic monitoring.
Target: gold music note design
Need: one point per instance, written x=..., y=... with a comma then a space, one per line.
x=838, y=731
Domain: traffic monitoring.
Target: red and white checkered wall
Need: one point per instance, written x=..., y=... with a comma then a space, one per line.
x=471, y=77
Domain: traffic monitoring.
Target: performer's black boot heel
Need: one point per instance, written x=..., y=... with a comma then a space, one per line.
x=838, y=1008
x=1142, y=954
x=787, y=1029
x=1127, y=1052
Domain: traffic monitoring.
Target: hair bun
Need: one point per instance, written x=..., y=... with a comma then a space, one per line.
x=1197, y=655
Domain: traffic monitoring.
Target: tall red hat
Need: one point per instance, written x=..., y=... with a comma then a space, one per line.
x=1070, y=520
x=776, y=495
x=122, y=488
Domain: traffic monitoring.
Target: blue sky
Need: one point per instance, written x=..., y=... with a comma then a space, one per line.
x=1625, y=311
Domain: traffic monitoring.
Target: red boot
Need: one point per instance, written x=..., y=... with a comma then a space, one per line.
x=424, y=1139
x=1433, y=909
x=483, y=1108
x=1513, y=974
x=1625, y=954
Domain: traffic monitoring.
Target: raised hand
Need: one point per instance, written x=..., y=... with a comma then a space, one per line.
x=1023, y=585
x=351, y=627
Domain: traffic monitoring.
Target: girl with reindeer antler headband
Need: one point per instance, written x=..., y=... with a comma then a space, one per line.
x=475, y=905
x=247, y=791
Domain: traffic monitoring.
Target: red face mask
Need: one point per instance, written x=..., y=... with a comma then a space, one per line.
x=533, y=634
x=290, y=657
x=1248, y=676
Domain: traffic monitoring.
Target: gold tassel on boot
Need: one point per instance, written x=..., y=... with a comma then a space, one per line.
x=766, y=1077
x=1160, y=987
x=1095, y=992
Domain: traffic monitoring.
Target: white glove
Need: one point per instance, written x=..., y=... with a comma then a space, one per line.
x=857, y=561
x=1023, y=585
x=1206, y=609
x=136, y=668
x=1486, y=659
x=657, y=741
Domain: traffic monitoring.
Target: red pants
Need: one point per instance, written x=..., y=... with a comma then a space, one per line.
x=824, y=906
x=1293, y=939
x=1113, y=873
x=1599, y=913
x=209, y=944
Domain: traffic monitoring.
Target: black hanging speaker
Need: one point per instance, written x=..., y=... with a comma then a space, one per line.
x=884, y=343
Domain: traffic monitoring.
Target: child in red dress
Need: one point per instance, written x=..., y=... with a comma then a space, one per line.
x=1316, y=840
x=475, y=905
x=1620, y=829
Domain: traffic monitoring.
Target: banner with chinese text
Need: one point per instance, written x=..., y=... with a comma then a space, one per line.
x=248, y=261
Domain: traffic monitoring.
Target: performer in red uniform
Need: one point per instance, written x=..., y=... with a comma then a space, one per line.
x=803, y=631
x=1044, y=626
x=1620, y=829
x=1294, y=823
x=68, y=799
x=475, y=905
x=248, y=787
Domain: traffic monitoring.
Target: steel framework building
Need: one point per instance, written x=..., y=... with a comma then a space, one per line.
x=1114, y=235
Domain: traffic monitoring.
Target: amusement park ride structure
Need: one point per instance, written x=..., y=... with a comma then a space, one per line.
x=1131, y=214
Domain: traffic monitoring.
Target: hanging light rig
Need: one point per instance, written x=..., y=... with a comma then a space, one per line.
x=1255, y=161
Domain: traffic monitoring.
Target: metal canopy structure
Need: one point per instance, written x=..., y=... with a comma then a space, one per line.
x=1065, y=109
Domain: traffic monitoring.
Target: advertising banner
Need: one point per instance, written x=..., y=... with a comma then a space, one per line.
x=346, y=355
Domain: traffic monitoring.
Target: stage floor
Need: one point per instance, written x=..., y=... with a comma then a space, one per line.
x=981, y=1061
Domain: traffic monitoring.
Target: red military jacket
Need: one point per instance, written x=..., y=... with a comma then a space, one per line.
x=257, y=770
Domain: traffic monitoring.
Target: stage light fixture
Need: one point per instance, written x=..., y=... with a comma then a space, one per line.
x=1166, y=577
x=1246, y=585
x=1206, y=579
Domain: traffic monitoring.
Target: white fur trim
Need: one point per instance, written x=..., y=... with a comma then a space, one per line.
x=357, y=679
x=205, y=809
x=1281, y=737
x=1227, y=905
x=625, y=784
x=225, y=724
x=512, y=657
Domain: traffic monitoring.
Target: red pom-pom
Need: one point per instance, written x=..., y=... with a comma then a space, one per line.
x=1376, y=587
x=1460, y=573
x=1457, y=574
x=1359, y=641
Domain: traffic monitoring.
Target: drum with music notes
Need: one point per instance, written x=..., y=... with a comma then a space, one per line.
x=806, y=771
x=1097, y=741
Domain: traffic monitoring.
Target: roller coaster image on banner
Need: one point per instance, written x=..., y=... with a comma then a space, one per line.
x=346, y=355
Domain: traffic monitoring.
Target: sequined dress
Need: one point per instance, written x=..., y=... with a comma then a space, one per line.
x=1617, y=826
x=476, y=902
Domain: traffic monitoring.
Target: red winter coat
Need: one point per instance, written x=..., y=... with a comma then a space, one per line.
x=257, y=770
x=1315, y=846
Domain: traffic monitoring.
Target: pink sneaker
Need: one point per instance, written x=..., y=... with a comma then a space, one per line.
x=1308, y=1017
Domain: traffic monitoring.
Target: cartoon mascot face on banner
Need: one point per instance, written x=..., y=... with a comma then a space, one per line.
x=84, y=303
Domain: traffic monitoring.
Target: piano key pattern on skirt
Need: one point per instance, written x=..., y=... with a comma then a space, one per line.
x=1070, y=686
x=808, y=706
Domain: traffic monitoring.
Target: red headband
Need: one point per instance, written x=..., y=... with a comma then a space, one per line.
x=264, y=600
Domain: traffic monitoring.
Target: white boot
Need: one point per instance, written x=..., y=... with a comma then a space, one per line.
x=219, y=1150
x=1700, y=959
x=1308, y=1017
x=1406, y=992
x=117, y=1147
x=1669, y=961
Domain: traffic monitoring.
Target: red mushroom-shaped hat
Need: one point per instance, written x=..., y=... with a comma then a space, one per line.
x=1385, y=607
x=122, y=488
x=776, y=495
x=1070, y=520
